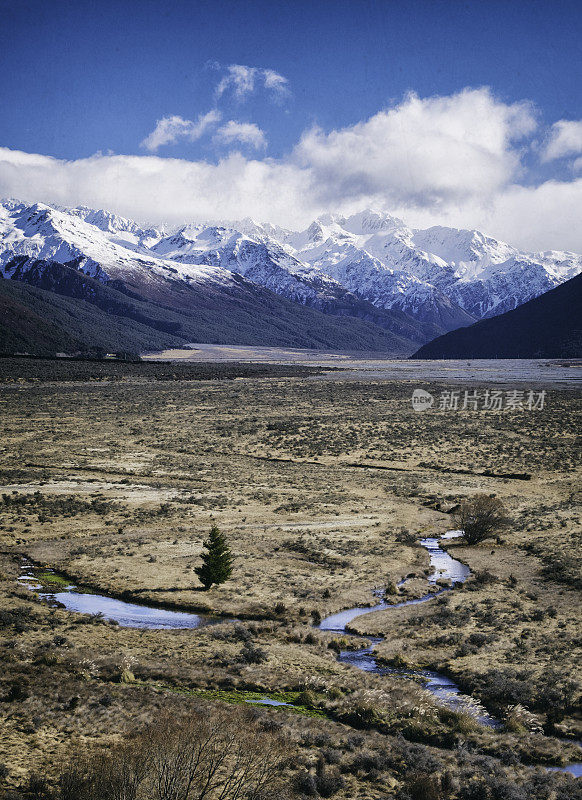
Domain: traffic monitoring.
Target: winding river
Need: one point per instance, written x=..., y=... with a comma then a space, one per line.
x=443, y=688
x=137, y=615
x=127, y=615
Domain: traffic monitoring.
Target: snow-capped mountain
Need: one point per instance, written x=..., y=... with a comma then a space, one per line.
x=394, y=266
x=112, y=250
x=155, y=265
x=415, y=283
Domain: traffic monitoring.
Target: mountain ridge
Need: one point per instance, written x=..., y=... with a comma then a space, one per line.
x=414, y=284
x=211, y=313
x=548, y=326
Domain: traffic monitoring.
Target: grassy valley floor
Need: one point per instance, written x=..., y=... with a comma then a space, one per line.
x=322, y=489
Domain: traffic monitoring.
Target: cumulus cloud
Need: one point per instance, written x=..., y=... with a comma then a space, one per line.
x=443, y=160
x=423, y=151
x=565, y=140
x=154, y=189
x=169, y=130
x=243, y=81
x=244, y=132
x=535, y=218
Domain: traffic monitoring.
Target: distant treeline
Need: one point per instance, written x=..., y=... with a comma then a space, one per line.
x=79, y=369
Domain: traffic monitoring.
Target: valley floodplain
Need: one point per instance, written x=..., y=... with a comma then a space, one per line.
x=323, y=489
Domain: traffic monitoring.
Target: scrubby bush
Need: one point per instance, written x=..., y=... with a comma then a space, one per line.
x=226, y=753
x=18, y=691
x=236, y=632
x=404, y=536
x=38, y=787
x=304, y=782
x=423, y=786
x=483, y=577
x=481, y=517
x=251, y=654
x=328, y=780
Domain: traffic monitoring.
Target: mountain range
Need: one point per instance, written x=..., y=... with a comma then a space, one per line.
x=361, y=282
x=549, y=326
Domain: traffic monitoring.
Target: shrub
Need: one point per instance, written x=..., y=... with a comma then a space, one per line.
x=38, y=786
x=315, y=616
x=17, y=692
x=251, y=654
x=331, y=755
x=405, y=536
x=304, y=782
x=481, y=517
x=307, y=698
x=236, y=632
x=492, y=788
x=222, y=754
x=483, y=577
x=328, y=780
x=424, y=786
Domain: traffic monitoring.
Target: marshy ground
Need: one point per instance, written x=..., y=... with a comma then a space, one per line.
x=322, y=488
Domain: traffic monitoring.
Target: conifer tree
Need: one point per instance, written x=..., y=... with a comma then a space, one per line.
x=216, y=564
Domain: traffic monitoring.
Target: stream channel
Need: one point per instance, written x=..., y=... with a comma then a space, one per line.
x=137, y=615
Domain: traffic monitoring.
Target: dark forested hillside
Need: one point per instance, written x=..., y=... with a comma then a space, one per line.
x=49, y=307
x=550, y=326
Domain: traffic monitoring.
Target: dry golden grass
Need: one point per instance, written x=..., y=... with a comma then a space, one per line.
x=131, y=476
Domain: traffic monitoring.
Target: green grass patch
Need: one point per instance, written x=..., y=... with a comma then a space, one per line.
x=236, y=696
x=52, y=578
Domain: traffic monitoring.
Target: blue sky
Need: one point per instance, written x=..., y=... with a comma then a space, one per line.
x=84, y=78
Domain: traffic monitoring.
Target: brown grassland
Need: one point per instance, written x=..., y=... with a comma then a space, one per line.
x=322, y=489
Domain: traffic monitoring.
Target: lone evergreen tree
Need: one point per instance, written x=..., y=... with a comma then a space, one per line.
x=217, y=562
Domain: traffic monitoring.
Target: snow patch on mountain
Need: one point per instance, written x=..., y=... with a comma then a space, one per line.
x=440, y=275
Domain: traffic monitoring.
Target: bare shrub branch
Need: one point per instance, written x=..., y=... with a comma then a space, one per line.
x=481, y=517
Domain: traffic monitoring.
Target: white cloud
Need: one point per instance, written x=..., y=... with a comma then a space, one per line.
x=544, y=217
x=423, y=151
x=245, y=132
x=169, y=130
x=444, y=160
x=565, y=140
x=538, y=217
x=277, y=83
x=240, y=79
x=150, y=188
x=243, y=81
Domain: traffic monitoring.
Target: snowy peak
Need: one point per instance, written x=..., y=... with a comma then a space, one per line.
x=477, y=274
x=459, y=246
x=366, y=264
x=370, y=221
x=105, y=221
x=43, y=232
